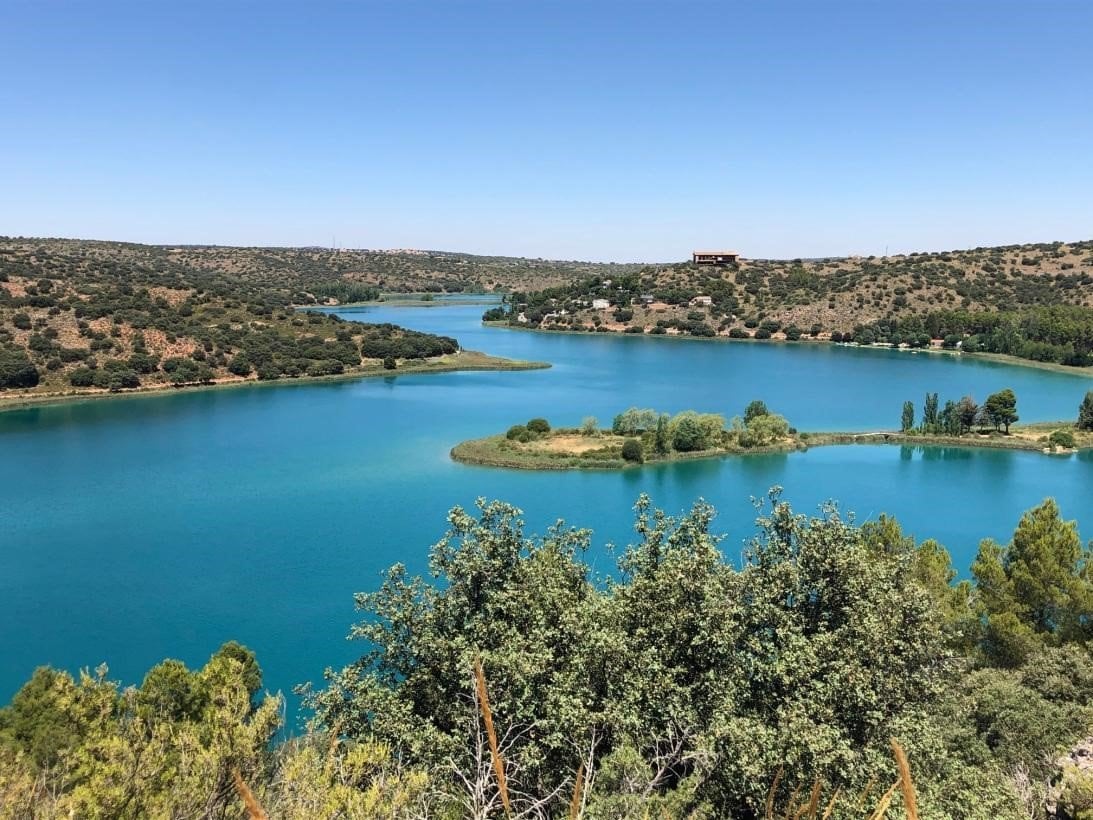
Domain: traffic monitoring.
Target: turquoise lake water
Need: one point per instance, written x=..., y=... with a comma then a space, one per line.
x=148, y=527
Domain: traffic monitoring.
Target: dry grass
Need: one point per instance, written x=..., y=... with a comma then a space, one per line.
x=491, y=735
x=578, y=789
x=572, y=444
x=809, y=809
x=254, y=808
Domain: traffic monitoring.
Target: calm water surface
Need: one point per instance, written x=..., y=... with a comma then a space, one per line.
x=142, y=528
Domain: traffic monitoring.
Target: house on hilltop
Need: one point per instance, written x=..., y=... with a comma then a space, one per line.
x=601, y=304
x=715, y=257
x=702, y=301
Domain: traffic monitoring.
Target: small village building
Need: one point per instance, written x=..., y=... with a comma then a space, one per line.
x=702, y=301
x=715, y=257
x=601, y=304
x=522, y=319
x=647, y=299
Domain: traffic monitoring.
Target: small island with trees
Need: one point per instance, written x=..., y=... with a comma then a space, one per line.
x=636, y=436
x=644, y=436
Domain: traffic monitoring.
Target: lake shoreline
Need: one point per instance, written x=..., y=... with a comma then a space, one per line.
x=409, y=300
x=442, y=364
x=1000, y=358
x=490, y=450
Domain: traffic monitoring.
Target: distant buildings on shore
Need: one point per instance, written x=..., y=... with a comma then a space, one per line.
x=715, y=257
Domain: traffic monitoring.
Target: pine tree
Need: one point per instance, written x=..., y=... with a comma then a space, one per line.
x=1085, y=412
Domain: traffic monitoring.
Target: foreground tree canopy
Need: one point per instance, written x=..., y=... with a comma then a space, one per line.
x=681, y=686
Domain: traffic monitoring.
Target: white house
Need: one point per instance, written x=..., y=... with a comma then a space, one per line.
x=601, y=304
x=702, y=301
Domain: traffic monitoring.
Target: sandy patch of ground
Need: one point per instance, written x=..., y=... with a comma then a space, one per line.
x=16, y=287
x=575, y=444
x=170, y=295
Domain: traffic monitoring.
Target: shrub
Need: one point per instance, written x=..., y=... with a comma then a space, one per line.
x=538, y=426
x=1061, y=438
x=21, y=321
x=143, y=362
x=241, y=365
x=515, y=432
x=73, y=354
x=328, y=367
x=16, y=370
x=763, y=430
x=82, y=377
x=389, y=363
x=632, y=451
x=762, y=333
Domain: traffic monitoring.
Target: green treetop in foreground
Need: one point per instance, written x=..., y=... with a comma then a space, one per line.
x=680, y=687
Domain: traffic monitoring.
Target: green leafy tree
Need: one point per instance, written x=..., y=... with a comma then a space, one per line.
x=967, y=410
x=691, y=431
x=754, y=410
x=634, y=421
x=1001, y=408
x=661, y=673
x=500, y=598
x=632, y=451
x=763, y=430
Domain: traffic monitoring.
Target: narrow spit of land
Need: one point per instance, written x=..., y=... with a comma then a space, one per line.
x=463, y=360
x=574, y=449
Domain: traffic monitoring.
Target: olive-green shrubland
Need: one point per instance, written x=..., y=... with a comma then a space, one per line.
x=680, y=686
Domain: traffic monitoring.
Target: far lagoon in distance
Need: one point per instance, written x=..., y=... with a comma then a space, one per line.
x=262, y=510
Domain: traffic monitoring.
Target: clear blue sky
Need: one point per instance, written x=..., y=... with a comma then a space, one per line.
x=591, y=130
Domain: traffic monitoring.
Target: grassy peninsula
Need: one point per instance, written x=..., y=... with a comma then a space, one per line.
x=643, y=436
x=636, y=436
